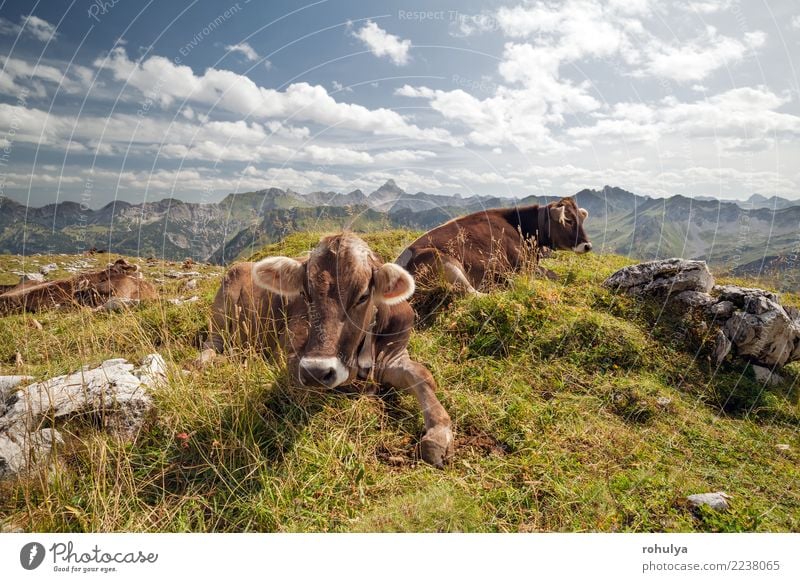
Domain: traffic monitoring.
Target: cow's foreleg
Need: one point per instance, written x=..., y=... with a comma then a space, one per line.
x=454, y=274
x=437, y=444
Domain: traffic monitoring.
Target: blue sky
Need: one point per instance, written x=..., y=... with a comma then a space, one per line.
x=142, y=101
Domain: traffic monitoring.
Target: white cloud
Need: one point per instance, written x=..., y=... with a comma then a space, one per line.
x=338, y=87
x=245, y=49
x=796, y=22
x=167, y=82
x=17, y=74
x=33, y=26
x=404, y=156
x=695, y=60
x=742, y=118
x=381, y=43
x=710, y=6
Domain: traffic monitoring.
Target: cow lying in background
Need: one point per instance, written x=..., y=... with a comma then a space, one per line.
x=120, y=279
x=468, y=252
x=338, y=314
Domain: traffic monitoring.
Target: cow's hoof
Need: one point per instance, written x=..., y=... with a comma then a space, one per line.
x=436, y=446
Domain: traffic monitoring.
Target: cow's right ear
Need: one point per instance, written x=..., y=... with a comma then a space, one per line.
x=393, y=284
x=280, y=275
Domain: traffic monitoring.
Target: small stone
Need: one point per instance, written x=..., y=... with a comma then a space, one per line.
x=45, y=269
x=32, y=278
x=36, y=324
x=717, y=501
x=179, y=301
x=116, y=304
x=664, y=401
x=767, y=376
x=783, y=447
x=188, y=285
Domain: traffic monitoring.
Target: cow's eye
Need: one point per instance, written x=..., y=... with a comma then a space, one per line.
x=363, y=299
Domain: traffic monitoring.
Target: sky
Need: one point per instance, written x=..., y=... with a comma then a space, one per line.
x=139, y=101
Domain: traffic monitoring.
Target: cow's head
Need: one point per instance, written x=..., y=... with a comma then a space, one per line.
x=565, y=226
x=341, y=282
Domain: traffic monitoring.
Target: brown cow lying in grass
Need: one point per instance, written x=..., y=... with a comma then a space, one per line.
x=472, y=250
x=120, y=279
x=338, y=314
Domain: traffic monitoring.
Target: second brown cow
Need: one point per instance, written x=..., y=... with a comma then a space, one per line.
x=470, y=251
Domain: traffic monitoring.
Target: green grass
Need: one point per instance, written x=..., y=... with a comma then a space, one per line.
x=575, y=409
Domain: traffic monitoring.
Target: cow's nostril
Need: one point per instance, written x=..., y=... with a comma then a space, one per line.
x=327, y=372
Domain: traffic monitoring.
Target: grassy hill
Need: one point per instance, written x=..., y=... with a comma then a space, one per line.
x=572, y=411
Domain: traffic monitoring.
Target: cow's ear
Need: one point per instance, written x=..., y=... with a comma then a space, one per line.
x=559, y=214
x=280, y=275
x=393, y=284
x=584, y=213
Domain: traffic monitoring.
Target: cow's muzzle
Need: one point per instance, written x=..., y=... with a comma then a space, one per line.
x=582, y=248
x=325, y=372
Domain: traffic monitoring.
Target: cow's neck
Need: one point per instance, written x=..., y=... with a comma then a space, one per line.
x=533, y=222
x=365, y=356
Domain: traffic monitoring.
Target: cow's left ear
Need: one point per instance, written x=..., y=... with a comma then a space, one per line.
x=393, y=284
x=584, y=213
x=280, y=275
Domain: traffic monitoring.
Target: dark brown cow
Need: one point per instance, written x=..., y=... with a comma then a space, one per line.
x=337, y=314
x=120, y=279
x=468, y=251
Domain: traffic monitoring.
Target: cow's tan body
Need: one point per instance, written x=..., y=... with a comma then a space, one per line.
x=308, y=310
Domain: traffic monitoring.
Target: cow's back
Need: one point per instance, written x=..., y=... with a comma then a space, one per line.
x=478, y=241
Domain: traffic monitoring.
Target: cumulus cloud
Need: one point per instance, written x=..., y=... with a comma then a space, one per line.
x=695, y=60
x=31, y=26
x=229, y=91
x=728, y=118
x=383, y=44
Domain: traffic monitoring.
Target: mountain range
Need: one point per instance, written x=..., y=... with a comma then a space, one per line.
x=745, y=237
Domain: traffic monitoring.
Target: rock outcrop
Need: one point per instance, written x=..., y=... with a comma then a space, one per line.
x=116, y=393
x=751, y=324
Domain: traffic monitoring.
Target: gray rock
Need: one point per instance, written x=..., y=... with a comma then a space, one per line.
x=116, y=392
x=182, y=274
x=722, y=310
x=46, y=269
x=722, y=347
x=693, y=299
x=8, y=383
x=766, y=376
x=662, y=278
x=116, y=304
x=767, y=335
x=740, y=296
x=180, y=301
x=754, y=326
x=32, y=278
x=717, y=501
x=188, y=285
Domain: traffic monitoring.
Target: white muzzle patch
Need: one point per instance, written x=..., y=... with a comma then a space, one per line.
x=582, y=248
x=320, y=367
